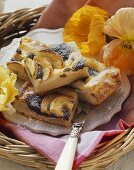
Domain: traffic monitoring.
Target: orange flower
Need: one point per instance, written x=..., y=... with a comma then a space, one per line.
x=85, y=27
x=120, y=51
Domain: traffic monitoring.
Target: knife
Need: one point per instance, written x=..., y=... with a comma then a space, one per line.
x=67, y=156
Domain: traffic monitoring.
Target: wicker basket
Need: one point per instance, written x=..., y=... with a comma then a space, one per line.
x=17, y=24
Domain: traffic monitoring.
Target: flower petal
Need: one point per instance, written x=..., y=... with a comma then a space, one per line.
x=96, y=37
x=85, y=27
x=121, y=25
x=117, y=54
x=4, y=74
x=7, y=89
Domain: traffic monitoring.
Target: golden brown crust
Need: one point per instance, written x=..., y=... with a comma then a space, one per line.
x=63, y=73
x=18, y=68
x=100, y=84
x=60, y=109
x=26, y=48
x=54, y=58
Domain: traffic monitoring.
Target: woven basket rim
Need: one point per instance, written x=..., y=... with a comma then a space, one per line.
x=16, y=24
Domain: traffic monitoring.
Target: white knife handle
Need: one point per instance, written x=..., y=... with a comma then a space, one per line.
x=67, y=156
x=66, y=159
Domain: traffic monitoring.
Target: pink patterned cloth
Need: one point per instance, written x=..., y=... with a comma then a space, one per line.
x=51, y=147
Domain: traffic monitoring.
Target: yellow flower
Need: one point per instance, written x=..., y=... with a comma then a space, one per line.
x=120, y=51
x=85, y=27
x=7, y=89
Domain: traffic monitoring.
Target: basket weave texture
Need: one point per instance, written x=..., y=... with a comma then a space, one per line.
x=17, y=24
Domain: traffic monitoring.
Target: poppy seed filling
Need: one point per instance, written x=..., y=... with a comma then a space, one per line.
x=65, y=113
x=63, y=49
x=19, y=51
x=79, y=65
x=31, y=56
x=39, y=72
x=92, y=72
x=34, y=103
x=14, y=59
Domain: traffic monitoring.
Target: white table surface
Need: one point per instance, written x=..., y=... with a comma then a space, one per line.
x=125, y=163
